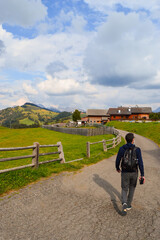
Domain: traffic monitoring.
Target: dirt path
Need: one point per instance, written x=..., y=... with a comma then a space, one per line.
x=86, y=205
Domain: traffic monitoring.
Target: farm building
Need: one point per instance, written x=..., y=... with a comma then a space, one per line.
x=95, y=116
x=129, y=113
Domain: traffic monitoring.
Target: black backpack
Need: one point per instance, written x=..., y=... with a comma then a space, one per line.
x=129, y=160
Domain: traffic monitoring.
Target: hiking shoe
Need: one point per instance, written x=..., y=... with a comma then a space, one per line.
x=124, y=207
x=129, y=207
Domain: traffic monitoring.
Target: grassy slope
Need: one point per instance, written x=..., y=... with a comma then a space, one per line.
x=74, y=148
x=26, y=121
x=34, y=111
x=149, y=130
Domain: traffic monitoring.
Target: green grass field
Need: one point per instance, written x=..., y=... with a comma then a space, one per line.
x=74, y=147
x=149, y=130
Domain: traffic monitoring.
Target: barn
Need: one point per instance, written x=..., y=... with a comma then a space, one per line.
x=96, y=116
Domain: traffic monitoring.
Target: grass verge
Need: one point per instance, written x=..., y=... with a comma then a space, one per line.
x=149, y=130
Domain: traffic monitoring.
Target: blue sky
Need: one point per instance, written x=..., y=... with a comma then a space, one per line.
x=80, y=54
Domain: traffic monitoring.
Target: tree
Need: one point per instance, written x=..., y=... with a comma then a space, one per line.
x=76, y=115
x=154, y=116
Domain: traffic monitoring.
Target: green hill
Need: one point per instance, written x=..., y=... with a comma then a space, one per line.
x=30, y=115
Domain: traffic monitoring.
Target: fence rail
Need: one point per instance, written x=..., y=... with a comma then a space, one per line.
x=16, y=148
x=35, y=156
x=113, y=143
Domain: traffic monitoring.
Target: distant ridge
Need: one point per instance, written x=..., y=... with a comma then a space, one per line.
x=41, y=106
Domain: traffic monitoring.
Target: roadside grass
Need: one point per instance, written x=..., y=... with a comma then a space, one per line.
x=149, y=130
x=74, y=147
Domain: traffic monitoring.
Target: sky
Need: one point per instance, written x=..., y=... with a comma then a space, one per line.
x=80, y=53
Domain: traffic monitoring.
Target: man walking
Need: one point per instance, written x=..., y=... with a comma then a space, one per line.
x=128, y=160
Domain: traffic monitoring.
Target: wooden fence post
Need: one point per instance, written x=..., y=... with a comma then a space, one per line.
x=114, y=145
x=104, y=146
x=35, y=159
x=88, y=149
x=119, y=138
x=61, y=155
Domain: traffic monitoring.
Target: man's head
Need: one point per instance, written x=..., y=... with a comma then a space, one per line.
x=129, y=137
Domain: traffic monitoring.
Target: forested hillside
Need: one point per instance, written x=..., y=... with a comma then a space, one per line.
x=30, y=115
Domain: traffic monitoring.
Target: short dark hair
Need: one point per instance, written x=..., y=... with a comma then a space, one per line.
x=129, y=137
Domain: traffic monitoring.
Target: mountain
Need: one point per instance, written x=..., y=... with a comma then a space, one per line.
x=43, y=107
x=157, y=110
x=61, y=109
x=30, y=115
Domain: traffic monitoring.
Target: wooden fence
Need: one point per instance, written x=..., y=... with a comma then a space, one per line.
x=107, y=144
x=35, y=156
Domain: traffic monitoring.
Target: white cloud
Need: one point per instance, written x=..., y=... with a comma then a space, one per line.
x=19, y=102
x=59, y=86
x=62, y=87
x=28, y=89
x=55, y=67
x=24, y=13
x=107, y=97
x=151, y=7
x=2, y=51
x=2, y=47
x=5, y=91
x=78, y=24
x=13, y=101
x=32, y=55
x=124, y=52
x=77, y=95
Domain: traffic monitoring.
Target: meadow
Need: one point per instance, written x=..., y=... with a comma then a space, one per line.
x=150, y=130
x=74, y=147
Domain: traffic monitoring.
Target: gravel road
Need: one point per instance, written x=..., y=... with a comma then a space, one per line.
x=85, y=205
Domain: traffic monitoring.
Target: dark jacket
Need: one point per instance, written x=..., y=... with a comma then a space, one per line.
x=121, y=154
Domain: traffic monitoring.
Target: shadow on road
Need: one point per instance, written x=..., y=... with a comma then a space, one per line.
x=110, y=190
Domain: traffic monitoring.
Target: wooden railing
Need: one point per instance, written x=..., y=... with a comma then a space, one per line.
x=35, y=156
x=107, y=144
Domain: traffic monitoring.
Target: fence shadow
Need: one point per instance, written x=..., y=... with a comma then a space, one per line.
x=110, y=190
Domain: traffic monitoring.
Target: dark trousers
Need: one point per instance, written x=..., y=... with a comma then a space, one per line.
x=128, y=185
